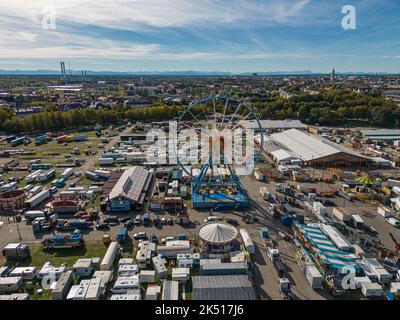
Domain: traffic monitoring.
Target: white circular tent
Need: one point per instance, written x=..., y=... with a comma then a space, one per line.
x=217, y=237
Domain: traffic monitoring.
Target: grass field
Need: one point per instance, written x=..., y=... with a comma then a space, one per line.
x=67, y=256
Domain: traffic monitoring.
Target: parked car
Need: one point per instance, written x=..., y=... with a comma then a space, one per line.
x=53, y=190
x=138, y=220
x=166, y=239
x=112, y=220
x=129, y=224
x=233, y=222
x=170, y=221
x=140, y=235
x=154, y=238
x=102, y=226
x=394, y=222
x=156, y=220
x=124, y=219
x=211, y=218
x=164, y=221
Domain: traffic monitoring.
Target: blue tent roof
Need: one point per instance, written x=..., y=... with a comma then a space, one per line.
x=326, y=250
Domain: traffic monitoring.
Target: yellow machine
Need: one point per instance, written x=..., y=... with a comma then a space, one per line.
x=106, y=239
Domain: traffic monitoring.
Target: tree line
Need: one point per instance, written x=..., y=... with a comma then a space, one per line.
x=331, y=106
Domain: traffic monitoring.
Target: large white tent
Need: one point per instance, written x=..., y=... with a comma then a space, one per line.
x=218, y=233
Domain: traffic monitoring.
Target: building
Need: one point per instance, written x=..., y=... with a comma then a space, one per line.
x=124, y=285
x=381, y=134
x=130, y=190
x=12, y=200
x=83, y=267
x=160, y=268
x=62, y=286
x=49, y=269
x=272, y=125
x=131, y=295
x=10, y=284
x=223, y=287
x=217, y=237
x=312, y=150
x=170, y=290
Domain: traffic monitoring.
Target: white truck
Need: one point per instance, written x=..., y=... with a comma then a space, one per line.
x=394, y=222
x=273, y=254
x=384, y=212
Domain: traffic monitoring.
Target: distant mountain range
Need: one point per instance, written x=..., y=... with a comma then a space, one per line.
x=179, y=73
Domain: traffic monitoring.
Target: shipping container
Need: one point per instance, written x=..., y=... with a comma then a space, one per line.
x=37, y=199
x=106, y=161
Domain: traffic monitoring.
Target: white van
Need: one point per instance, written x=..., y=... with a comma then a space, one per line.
x=394, y=222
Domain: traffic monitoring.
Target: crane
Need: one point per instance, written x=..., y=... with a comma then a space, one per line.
x=397, y=245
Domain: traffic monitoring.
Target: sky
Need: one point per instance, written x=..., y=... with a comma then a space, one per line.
x=203, y=35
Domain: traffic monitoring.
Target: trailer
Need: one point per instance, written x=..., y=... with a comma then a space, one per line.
x=67, y=173
x=341, y=215
x=32, y=177
x=41, y=166
x=46, y=175
x=104, y=174
x=106, y=161
x=60, y=183
x=62, y=241
x=92, y=176
x=37, y=199
x=248, y=243
x=267, y=241
x=110, y=256
x=16, y=251
x=73, y=224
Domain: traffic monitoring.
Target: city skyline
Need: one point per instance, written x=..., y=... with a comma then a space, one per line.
x=224, y=36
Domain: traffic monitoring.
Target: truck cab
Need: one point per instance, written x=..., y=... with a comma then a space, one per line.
x=273, y=253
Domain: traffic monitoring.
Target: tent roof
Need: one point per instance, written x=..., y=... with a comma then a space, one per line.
x=218, y=233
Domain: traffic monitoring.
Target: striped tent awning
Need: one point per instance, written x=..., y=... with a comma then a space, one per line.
x=325, y=249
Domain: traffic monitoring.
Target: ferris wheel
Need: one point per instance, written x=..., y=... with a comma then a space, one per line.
x=225, y=150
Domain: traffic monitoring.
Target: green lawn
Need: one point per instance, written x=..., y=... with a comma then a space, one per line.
x=68, y=256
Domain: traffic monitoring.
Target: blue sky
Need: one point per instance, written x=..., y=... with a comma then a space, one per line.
x=204, y=35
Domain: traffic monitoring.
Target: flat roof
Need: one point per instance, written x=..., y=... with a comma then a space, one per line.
x=273, y=124
x=308, y=147
x=225, y=287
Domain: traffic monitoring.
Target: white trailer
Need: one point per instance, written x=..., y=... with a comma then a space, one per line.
x=67, y=173
x=103, y=173
x=248, y=243
x=341, y=215
x=106, y=161
x=313, y=276
x=37, y=199
x=94, y=289
x=109, y=257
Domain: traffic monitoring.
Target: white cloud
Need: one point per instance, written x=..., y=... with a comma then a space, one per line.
x=22, y=35
x=136, y=14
